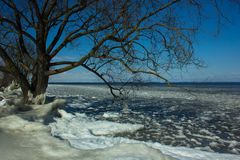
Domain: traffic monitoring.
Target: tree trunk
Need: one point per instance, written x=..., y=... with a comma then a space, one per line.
x=39, y=83
x=34, y=93
x=39, y=78
x=38, y=90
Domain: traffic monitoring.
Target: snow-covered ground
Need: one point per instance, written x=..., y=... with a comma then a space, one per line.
x=25, y=140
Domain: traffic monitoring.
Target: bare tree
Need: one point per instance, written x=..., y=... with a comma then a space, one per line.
x=136, y=36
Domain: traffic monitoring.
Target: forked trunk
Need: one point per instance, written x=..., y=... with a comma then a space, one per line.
x=35, y=93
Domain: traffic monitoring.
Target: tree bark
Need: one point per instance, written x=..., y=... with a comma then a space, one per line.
x=34, y=93
x=40, y=80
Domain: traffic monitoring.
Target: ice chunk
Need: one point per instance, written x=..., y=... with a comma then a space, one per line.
x=91, y=127
x=111, y=115
x=65, y=114
x=3, y=102
x=85, y=133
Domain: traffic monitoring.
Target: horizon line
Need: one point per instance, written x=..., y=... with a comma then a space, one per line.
x=146, y=82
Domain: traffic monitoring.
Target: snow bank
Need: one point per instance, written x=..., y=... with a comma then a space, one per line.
x=24, y=140
x=88, y=134
x=14, y=123
x=42, y=112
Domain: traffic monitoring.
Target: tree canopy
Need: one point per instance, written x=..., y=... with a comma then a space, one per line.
x=130, y=36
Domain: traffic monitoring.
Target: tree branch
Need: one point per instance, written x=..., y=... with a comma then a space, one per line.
x=103, y=79
x=82, y=60
x=73, y=35
x=62, y=26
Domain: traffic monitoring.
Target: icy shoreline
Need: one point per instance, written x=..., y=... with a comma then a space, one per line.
x=33, y=138
x=81, y=137
x=208, y=120
x=24, y=136
x=25, y=140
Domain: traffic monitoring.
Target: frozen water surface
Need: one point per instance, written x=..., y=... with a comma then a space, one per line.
x=204, y=118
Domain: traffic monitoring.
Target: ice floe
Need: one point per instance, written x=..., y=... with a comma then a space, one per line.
x=86, y=133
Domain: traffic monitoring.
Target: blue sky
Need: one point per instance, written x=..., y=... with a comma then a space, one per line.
x=221, y=56
x=220, y=53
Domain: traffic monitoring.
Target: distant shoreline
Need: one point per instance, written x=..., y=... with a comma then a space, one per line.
x=148, y=83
